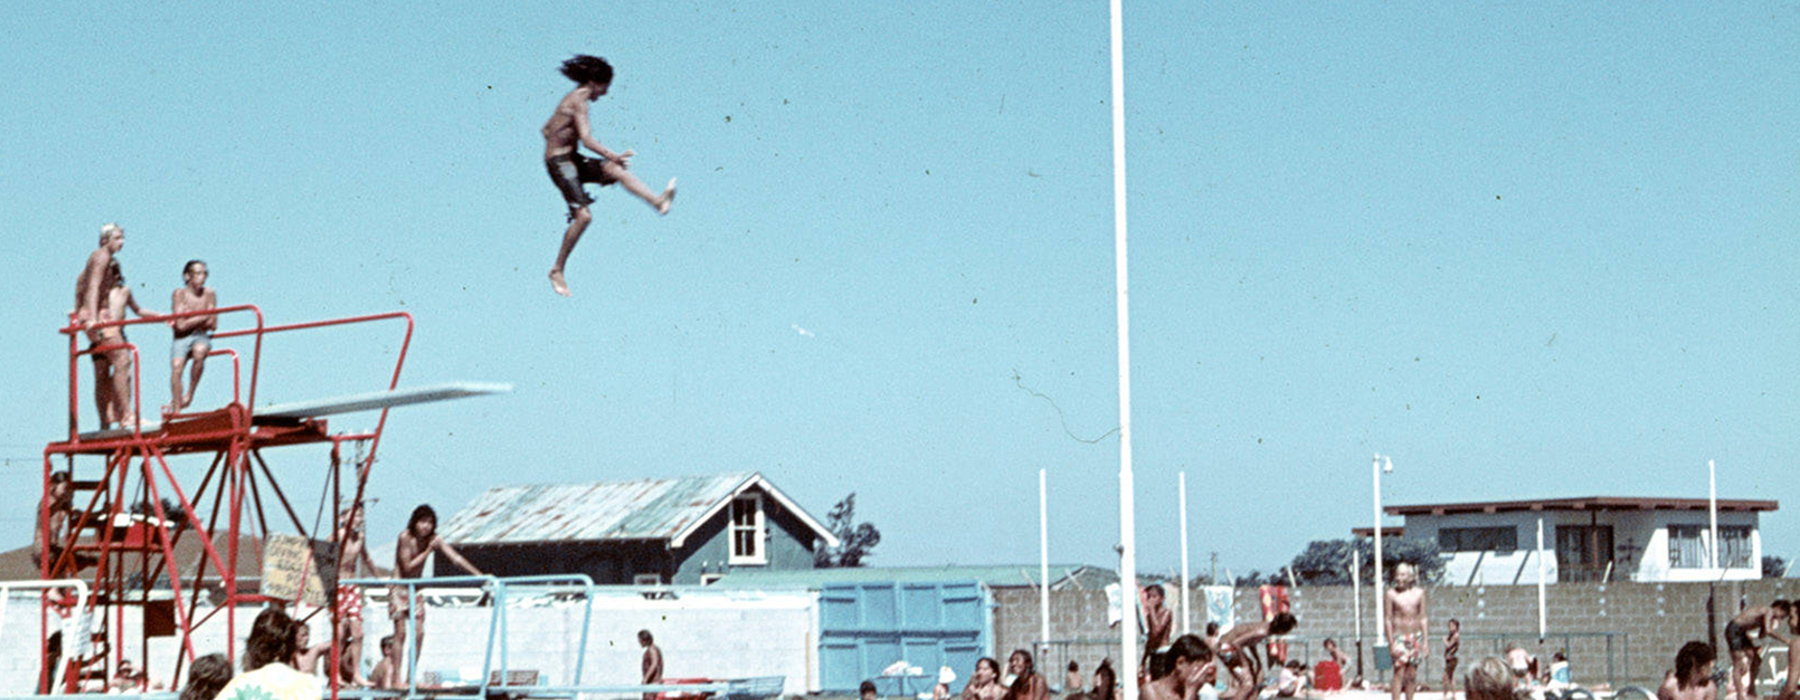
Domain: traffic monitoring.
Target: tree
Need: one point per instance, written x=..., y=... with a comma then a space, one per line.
x=854, y=539
x=1254, y=578
x=1327, y=562
x=1774, y=567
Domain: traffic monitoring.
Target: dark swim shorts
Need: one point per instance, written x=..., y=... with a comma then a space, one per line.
x=572, y=170
x=1736, y=638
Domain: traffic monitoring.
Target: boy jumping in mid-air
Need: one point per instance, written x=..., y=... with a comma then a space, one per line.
x=566, y=131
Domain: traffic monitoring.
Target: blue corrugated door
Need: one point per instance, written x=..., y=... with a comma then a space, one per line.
x=867, y=627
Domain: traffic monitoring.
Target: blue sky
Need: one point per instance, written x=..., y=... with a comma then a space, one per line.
x=1528, y=250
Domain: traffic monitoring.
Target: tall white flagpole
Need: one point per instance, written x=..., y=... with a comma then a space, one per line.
x=1543, y=619
x=1380, y=579
x=1712, y=508
x=1186, y=619
x=1356, y=592
x=1043, y=562
x=1128, y=632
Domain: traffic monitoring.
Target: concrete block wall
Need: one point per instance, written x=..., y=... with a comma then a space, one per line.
x=1650, y=622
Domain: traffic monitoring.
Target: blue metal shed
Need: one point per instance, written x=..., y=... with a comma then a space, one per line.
x=866, y=627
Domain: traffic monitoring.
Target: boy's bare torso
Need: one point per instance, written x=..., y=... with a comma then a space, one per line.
x=352, y=553
x=1406, y=610
x=1755, y=619
x=186, y=299
x=408, y=548
x=560, y=134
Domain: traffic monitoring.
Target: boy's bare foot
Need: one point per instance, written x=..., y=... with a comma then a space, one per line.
x=557, y=283
x=668, y=198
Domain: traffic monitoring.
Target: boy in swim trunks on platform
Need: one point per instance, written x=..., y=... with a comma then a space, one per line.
x=564, y=134
x=193, y=335
x=353, y=557
x=1407, y=628
x=101, y=296
x=416, y=545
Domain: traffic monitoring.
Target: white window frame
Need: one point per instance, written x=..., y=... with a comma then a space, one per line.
x=1739, y=544
x=758, y=528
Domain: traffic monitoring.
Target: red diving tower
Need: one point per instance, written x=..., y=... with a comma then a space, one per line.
x=116, y=536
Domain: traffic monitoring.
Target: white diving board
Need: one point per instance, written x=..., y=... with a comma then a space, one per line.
x=380, y=399
x=370, y=401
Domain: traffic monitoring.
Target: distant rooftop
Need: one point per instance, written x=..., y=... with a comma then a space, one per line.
x=1595, y=503
x=1062, y=576
x=646, y=509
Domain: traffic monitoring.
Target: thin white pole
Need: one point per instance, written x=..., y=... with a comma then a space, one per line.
x=1543, y=619
x=1186, y=621
x=1043, y=563
x=1356, y=588
x=1127, y=523
x=1380, y=609
x=1712, y=507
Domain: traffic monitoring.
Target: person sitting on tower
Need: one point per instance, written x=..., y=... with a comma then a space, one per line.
x=193, y=334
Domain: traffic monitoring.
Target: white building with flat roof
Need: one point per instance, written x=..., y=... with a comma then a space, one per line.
x=1593, y=538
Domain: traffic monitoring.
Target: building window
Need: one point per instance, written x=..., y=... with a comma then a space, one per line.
x=747, y=530
x=1687, y=546
x=710, y=579
x=1478, y=539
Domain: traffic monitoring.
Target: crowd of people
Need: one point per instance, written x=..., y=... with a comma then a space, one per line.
x=1230, y=666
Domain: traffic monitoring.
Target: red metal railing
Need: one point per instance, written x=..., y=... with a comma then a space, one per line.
x=148, y=447
x=258, y=331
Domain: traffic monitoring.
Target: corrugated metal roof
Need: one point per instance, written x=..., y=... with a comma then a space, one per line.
x=649, y=509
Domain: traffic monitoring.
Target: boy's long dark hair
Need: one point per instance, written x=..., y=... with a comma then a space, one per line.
x=1104, y=680
x=1021, y=686
x=208, y=676
x=588, y=69
x=271, y=639
x=419, y=514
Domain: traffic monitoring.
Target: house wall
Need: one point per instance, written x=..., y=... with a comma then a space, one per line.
x=1640, y=545
x=608, y=563
x=788, y=540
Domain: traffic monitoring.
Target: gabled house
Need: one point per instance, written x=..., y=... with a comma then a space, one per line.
x=686, y=530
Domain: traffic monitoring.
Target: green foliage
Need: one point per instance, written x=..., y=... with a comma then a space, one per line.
x=854, y=539
x=1327, y=562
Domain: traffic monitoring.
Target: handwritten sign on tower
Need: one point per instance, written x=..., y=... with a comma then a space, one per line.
x=295, y=567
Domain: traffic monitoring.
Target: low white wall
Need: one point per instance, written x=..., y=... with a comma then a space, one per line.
x=711, y=634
